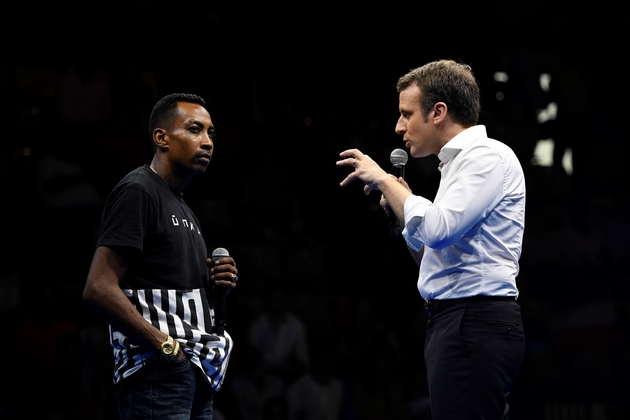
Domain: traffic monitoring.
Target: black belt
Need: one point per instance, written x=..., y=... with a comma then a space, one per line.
x=432, y=307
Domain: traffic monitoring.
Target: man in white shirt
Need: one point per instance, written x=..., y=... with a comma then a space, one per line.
x=467, y=241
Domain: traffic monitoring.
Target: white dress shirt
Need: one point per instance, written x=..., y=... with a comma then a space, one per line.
x=473, y=231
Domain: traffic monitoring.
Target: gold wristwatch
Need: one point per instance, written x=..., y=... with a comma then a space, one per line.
x=170, y=348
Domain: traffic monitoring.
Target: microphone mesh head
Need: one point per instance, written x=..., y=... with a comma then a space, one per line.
x=398, y=157
x=220, y=252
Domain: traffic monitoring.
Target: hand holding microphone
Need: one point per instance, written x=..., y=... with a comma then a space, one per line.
x=369, y=172
x=398, y=158
x=220, y=290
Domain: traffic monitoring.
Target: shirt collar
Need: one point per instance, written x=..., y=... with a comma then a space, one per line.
x=457, y=143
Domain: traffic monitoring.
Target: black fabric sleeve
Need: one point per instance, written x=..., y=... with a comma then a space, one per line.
x=127, y=216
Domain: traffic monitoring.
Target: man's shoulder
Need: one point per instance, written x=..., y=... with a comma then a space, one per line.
x=134, y=184
x=481, y=140
x=139, y=178
x=138, y=175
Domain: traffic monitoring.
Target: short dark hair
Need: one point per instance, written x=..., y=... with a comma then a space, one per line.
x=165, y=110
x=446, y=81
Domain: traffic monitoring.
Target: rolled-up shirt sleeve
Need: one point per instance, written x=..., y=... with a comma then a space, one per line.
x=415, y=209
x=465, y=197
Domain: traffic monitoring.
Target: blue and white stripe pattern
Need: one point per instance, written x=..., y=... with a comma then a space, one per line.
x=186, y=316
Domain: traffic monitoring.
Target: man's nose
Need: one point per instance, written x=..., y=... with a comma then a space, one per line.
x=400, y=127
x=207, y=142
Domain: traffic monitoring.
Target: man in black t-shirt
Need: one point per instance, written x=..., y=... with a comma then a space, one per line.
x=151, y=278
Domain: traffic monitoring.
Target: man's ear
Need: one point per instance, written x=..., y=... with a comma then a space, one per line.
x=440, y=110
x=160, y=138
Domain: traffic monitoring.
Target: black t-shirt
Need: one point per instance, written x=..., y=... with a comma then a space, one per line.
x=148, y=221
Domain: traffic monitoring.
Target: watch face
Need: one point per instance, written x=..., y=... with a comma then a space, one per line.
x=167, y=347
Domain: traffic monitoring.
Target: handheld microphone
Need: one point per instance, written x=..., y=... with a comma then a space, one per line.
x=219, y=298
x=398, y=158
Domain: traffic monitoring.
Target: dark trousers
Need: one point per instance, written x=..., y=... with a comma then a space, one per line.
x=473, y=352
x=167, y=390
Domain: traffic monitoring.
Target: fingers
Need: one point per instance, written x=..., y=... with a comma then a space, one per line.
x=223, y=271
x=350, y=161
x=362, y=165
x=368, y=188
x=348, y=179
x=228, y=284
x=227, y=277
x=351, y=157
x=384, y=204
x=220, y=261
x=351, y=153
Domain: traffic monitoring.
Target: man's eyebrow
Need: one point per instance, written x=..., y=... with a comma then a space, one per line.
x=197, y=122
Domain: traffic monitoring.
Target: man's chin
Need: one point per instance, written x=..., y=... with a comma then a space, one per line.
x=199, y=169
x=415, y=153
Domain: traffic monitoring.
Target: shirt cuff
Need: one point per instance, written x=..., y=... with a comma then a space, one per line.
x=415, y=208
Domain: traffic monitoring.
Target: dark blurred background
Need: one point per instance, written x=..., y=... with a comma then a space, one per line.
x=289, y=87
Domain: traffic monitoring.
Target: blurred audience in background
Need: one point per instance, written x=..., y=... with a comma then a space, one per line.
x=332, y=342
